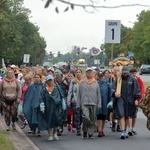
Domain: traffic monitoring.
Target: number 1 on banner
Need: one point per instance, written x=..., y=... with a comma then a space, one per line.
x=113, y=30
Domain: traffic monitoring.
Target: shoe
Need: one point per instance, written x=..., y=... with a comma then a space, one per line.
x=91, y=136
x=61, y=130
x=23, y=125
x=123, y=136
x=8, y=128
x=73, y=130
x=103, y=133
x=126, y=135
x=130, y=133
x=50, y=138
x=113, y=129
x=69, y=127
x=84, y=134
x=110, y=125
x=38, y=133
x=55, y=137
x=78, y=133
x=29, y=130
x=33, y=132
x=134, y=132
x=100, y=134
x=59, y=133
x=118, y=128
x=13, y=126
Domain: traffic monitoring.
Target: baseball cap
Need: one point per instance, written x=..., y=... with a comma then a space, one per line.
x=49, y=77
x=89, y=69
x=58, y=71
x=51, y=68
x=12, y=66
x=125, y=69
x=100, y=74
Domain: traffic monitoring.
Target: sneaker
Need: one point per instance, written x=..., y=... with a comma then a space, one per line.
x=126, y=135
x=13, y=126
x=113, y=129
x=110, y=125
x=130, y=133
x=33, y=132
x=123, y=136
x=118, y=128
x=50, y=138
x=73, y=130
x=55, y=137
x=8, y=128
x=23, y=125
x=78, y=133
x=134, y=132
x=84, y=134
x=59, y=133
x=91, y=136
x=69, y=127
x=100, y=134
x=103, y=133
x=29, y=130
x=38, y=133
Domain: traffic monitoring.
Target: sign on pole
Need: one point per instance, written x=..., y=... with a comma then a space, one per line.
x=112, y=31
x=26, y=58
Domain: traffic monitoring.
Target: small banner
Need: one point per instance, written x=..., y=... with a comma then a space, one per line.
x=26, y=58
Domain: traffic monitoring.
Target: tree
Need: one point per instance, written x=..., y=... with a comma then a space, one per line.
x=18, y=36
x=141, y=37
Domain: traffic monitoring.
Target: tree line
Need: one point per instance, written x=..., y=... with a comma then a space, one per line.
x=18, y=36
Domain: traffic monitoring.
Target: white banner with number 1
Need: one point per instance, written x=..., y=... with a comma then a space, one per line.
x=112, y=31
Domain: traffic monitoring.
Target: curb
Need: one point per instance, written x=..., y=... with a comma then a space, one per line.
x=20, y=139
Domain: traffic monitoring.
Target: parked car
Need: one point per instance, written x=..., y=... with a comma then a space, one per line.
x=144, y=69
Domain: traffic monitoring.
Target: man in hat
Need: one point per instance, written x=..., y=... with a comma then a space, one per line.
x=89, y=98
x=126, y=95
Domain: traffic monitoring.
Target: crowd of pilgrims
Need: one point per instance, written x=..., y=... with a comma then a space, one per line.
x=45, y=99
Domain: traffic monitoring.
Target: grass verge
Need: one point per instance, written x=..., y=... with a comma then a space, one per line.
x=146, y=84
x=5, y=142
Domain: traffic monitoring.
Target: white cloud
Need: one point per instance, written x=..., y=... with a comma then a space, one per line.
x=63, y=30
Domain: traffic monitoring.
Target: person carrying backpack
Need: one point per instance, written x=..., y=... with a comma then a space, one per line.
x=10, y=93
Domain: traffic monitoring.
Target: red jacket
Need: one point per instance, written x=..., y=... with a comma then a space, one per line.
x=141, y=85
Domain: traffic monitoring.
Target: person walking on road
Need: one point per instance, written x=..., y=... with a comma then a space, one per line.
x=89, y=98
x=52, y=105
x=72, y=100
x=105, y=90
x=132, y=121
x=10, y=93
x=126, y=92
x=31, y=106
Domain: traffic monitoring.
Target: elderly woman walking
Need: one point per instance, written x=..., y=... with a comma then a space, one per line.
x=52, y=105
x=10, y=93
x=31, y=105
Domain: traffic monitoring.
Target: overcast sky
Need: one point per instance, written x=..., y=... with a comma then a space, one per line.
x=64, y=30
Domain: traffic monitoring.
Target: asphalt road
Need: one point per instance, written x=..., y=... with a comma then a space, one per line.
x=145, y=77
x=112, y=141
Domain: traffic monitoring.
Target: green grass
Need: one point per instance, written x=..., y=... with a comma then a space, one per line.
x=146, y=84
x=5, y=142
